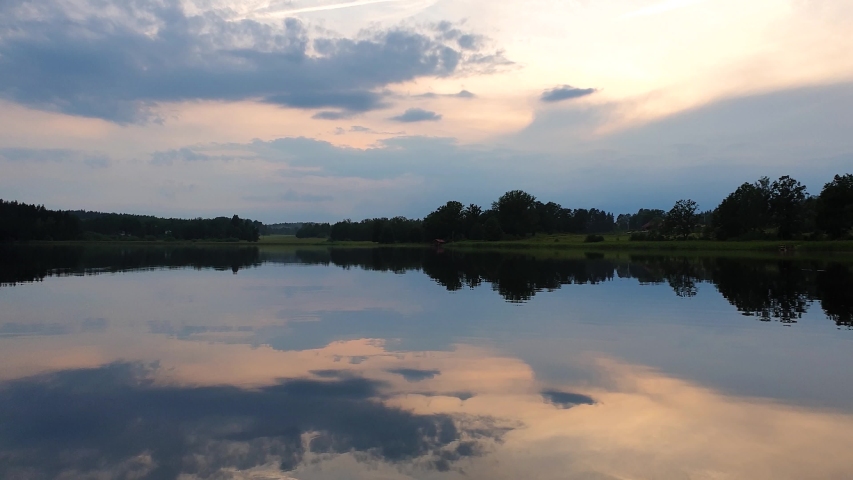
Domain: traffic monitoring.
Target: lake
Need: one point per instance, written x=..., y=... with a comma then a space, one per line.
x=138, y=362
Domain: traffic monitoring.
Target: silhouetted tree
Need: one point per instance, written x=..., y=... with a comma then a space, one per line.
x=22, y=222
x=30, y=222
x=516, y=212
x=835, y=206
x=599, y=221
x=646, y=217
x=548, y=216
x=745, y=211
x=681, y=220
x=787, y=197
x=446, y=222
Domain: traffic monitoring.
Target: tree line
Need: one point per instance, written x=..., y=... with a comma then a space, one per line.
x=760, y=210
x=24, y=222
x=785, y=209
x=515, y=214
x=763, y=209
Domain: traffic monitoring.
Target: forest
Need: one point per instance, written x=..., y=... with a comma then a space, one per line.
x=760, y=210
x=23, y=222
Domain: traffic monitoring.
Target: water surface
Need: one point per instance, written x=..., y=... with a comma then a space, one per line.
x=216, y=363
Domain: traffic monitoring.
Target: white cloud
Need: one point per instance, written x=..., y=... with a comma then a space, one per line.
x=662, y=7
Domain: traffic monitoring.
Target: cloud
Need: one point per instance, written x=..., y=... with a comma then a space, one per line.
x=465, y=41
x=12, y=329
x=417, y=115
x=118, y=60
x=414, y=374
x=468, y=42
x=801, y=132
x=350, y=101
x=361, y=129
x=333, y=373
x=289, y=196
x=55, y=155
x=566, y=399
x=95, y=422
x=565, y=92
x=185, y=154
x=662, y=7
x=323, y=8
x=333, y=115
x=172, y=189
x=461, y=94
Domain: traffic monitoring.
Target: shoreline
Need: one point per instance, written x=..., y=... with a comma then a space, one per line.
x=539, y=243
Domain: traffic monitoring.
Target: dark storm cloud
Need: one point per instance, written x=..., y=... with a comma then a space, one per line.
x=565, y=92
x=114, y=422
x=414, y=374
x=116, y=60
x=416, y=115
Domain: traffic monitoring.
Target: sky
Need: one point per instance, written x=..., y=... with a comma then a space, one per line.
x=319, y=110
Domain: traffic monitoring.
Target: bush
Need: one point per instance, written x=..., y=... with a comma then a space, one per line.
x=593, y=239
x=646, y=237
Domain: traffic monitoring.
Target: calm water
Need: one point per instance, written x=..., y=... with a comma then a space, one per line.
x=192, y=363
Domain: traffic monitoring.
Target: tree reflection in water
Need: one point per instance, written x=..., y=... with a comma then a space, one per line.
x=765, y=288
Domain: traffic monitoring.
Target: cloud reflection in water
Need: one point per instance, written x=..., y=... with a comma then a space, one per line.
x=341, y=420
x=115, y=421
